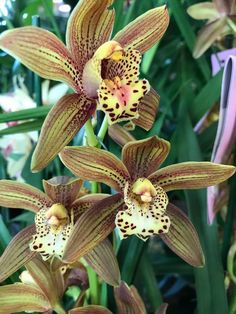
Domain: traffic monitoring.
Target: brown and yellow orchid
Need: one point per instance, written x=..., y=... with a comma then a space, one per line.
x=146, y=209
x=57, y=212
x=102, y=72
x=221, y=22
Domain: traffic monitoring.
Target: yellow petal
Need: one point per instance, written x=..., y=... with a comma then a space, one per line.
x=89, y=26
x=43, y=53
x=203, y=11
x=119, y=99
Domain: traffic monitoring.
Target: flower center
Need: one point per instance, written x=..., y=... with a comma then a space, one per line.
x=145, y=189
x=53, y=228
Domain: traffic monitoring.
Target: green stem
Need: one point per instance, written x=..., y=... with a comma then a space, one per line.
x=230, y=262
x=52, y=18
x=90, y=136
x=231, y=25
x=232, y=308
x=103, y=129
x=93, y=286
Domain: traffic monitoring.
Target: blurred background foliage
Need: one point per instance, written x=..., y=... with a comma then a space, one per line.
x=188, y=90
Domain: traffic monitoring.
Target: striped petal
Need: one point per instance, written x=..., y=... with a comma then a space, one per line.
x=103, y=260
x=90, y=163
x=63, y=189
x=21, y=297
x=120, y=135
x=21, y=195
x=128, y=300
x=17, y=253
x=92, y=228
x=62, y=123
x=144, y=31
x=50, y=283
x=147, y=109
x=143, y=157
x=89, y=26
x=42, y=52
x=191, y=175
x=90, y=309
x=182, y=237
x=203, y=11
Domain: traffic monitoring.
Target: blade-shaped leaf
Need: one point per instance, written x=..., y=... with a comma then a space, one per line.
x=103, y=260
x=62, y=123
x=144, y=31
x=143, y=157
x=90, y=25
x=21, y=195
x=191, y=175
x=92, y=228
x=42, y=52
x=128, y=300
x=91, y=163
x=21, y=297
x=147, y=110
x=17, y=253
x=182, y=237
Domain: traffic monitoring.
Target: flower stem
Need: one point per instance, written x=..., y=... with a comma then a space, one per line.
x=90, y=136
x=103, y=129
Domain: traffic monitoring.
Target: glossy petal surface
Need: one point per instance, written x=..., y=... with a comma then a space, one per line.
x=144, y=31
x=182, y=237
x=90, y=25
x=90, y=163
x=21, y=195
x=62, y=123
x=191, y=175
x=143, y=157
x=42, y=52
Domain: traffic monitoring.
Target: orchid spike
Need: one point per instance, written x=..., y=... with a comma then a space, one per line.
x=221, y=17
x=145, y=210
x=225, y=137
x=103, y=73
x=57, y=211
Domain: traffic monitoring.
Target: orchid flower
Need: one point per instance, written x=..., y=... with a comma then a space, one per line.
x=57, y=211
x=102, y=72
x=225, y=137
x=220, y=15
x=40, y=290
x=146, y=209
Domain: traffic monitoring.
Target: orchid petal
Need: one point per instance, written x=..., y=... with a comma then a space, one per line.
x=51, y=284
x=208, y=35
x=119, y=98
x=21, y=297
x=61, y=125
x=191, y=175
x=92, y=228
x=103, y=260
x=90, y=163
x=89, y=26
x=182, y=237
x=203, y=11
x=162, y=309
x=143, y=157
x=90, y=309
x=144, y=31
x=21, y=195
x=17, y=253
x=224, y=6
x=128, y=300
x=147, y=109
x=42, y=52
x=226, y=131
x=120, y=135
x=63, y=189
